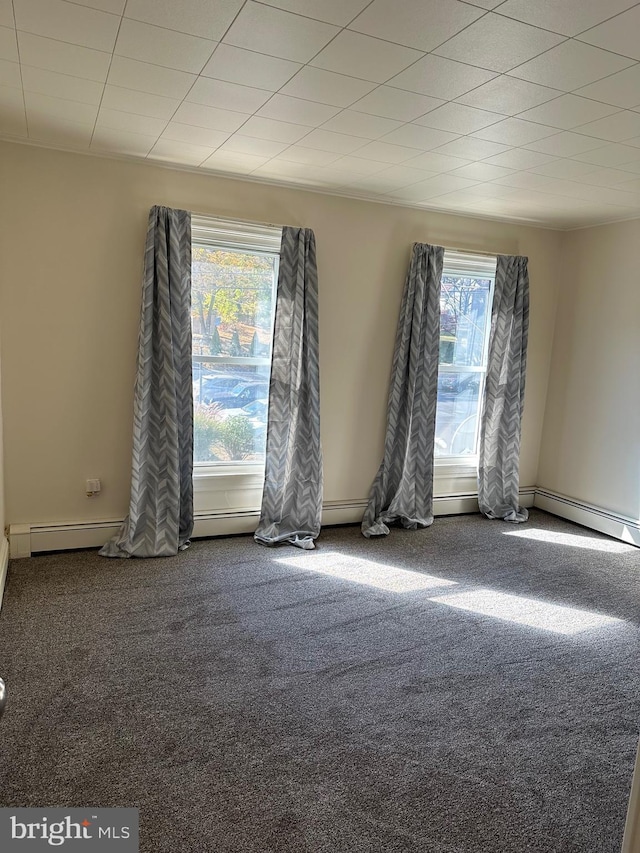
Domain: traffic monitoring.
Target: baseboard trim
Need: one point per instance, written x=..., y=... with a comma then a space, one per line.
x=28, y=539
x=4, y=565
x=589, y=515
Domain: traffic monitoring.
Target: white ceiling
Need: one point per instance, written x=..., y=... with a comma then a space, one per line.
x=516, y=109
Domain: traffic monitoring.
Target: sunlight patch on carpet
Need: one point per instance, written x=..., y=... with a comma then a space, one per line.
x=366, y=572
x=609, y=546
x=527, y=611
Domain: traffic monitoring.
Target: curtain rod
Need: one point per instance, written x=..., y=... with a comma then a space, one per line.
x=471, y=251
x=238, y=221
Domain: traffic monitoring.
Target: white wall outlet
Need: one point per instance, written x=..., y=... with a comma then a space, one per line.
x=93, y=487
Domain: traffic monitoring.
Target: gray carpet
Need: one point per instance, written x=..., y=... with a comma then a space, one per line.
x=250, y=700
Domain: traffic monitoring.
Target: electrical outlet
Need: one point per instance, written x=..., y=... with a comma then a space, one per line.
x=93, y=487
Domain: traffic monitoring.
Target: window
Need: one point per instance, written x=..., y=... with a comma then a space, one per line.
x=465, y=320
x=234, y=277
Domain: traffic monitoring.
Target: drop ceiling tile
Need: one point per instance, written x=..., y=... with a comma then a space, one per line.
x=227, y=96
x=311, y=156
x=633, y=167
x=514, y=131
x=565, y=144
x=396, y=104
x=118, y=120
x=276, y=131
x=11, y=98
x=610, y=155
x=326, y=87
x=8, y=45
x=619, y=35
x=269, y=30
x=362, y=56
x=251, y=145
x=567, y=112
x=621, y=89
x=141, y=103
x=569, y=17
x=422, y=24
x=564, y=168
x=197, y=17
x=179, y=152
x=67, y=22
x=63, y=58
x=458, y=118
x=10, y=74
x=116, y=7
x=297, y=111
x=61, y=85
x=57, y=132
x=384, y=152
x=473, y=149
x=432, y=187
x=357, y=165
x=615, y=178
x=570, y=65
x=339, y=12
x=528, y=180
x=327, y=140
x=498, y=43
x=234, y=162
x=633, y=185
x=520, y=158
x=390, y=179
x=163, y=47
x=211, y=117
x=6, y=14
x=121, y=142
x=154, y=79
x=616, y=128
x=481, y=172
x=486, y=4
x=441, y=78
x=361, y=124
x=424, y=138
x=71, y=111
x=508, y=96
x=437, y=162
x=177, y=132
x=249, y=68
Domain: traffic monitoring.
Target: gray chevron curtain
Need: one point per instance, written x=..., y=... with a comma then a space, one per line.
x=403, y=489
x=160, y=519
x=499, y=464
x=292, y=496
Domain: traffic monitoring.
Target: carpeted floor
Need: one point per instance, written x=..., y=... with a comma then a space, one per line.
x=472, y=688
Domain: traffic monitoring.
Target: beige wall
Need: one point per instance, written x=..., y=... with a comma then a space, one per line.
x=591, y=444
x=72, y=232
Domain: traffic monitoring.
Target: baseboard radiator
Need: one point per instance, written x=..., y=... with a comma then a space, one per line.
x=28, y=539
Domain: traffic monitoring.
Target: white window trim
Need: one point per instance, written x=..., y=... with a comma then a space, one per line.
x=466, y=264
x=211, y=481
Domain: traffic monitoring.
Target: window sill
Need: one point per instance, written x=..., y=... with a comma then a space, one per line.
x=452, y=468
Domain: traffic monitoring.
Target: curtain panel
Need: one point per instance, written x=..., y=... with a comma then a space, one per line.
x=292, y=497
x=501, y=424
x=160, y=519
x=402, y=491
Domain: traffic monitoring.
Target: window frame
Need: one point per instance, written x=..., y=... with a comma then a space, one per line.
x=255, y=239
x=481, y=266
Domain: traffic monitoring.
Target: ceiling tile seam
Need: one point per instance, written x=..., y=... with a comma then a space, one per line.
x=632, y=59
x=77, y=6
x=309, y=17
x=605, y=21
x=24, y=102
x=438, y=46
x=104, y=85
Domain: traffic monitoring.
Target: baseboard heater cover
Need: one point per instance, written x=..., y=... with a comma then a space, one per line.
x=28, y=539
